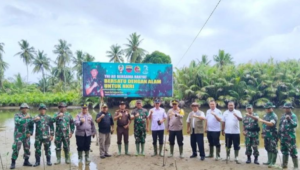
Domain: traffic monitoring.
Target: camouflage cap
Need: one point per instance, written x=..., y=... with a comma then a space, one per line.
x=288, y=106
x=94, y=66
x=138, y=101
x=195, y=104
x=269, y=105
x=42, y=106
x=104, y=105
x=84, y=106
x=249, y=106
x=62, y=104
x=24, y=105
x=175, y=101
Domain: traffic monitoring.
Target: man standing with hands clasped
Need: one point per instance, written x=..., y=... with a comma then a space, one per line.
x=231, y=125
x=213, y=129
x=287, y=135
x=157, y=116
x=174, y=127
x=195, y=127
x=106, y=128
x=251, y=132
x=122, y=117
x=85, y=129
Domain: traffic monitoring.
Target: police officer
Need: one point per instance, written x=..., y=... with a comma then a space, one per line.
x=63, y=132
x=141, y=124
x=287, y=135
x=269, y=133
x=23, y=131
x=251, y=132
x=44, y=132
x=93, y=85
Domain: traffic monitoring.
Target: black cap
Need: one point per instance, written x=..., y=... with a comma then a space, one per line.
x=84, y=106
x=157, y=101
x=122, y=103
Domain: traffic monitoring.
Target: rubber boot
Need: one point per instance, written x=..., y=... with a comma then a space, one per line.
x=79, y=156
x=120, y=149
x=236, y=155
x=285, y=160
x=273, y=161
x=87, y=157
x=37, y=161
x=126, y=150
x=227, y=155
x=13, y=164
x=58, y=157
x=181, y=152
x=49, y=161
x=160, y=150
x=211, y=152
x=154, y=150
x=137, y=146
x=295, y=161
x=171, y=151
x=142, y=149
x=218, y=150
x=248, y=159
x=26, y=162
x=256, y=160
x=67, y=157
x=269, y=158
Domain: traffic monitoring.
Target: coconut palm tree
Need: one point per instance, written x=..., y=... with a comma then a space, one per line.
x=64, y=54
x=204, y=60
x=223, y=59
x=3, y=65
x=77, y=61
x=41, y=63
x=26, y=53
x=89, y=58
x=115, y=54
x=133, y=52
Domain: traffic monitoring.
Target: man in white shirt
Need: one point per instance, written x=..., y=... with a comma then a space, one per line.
x=231, y=124
x=213, y=129
x=157, y=116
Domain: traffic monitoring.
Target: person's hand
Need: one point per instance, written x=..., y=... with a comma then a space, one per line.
x=147, y=129
x=188, y=131
x=223, y=133
x=102, y=116
x=161, y=121
x=70, y=135
x=195, y=116
x=120, y=114
x=151, y=111
x=61, y=114
x=82, y=120
x=288, y=117
x=28, y=135
x=27, y=116
x=234, y=114
x=244, y=132
x=167, y=130
x=95, y=85
x=51, y=138
x=247, y=114
x=137, y=115
x=213, y=113
x=37, y=118
x=126, y=126
x=260, y=120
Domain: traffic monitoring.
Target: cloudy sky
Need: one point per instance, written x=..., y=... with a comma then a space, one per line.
x=250, y=30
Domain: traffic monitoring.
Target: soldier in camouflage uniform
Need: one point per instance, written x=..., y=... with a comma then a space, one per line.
x=287, y=136
x=44, y=132
x=251, y=132
x=23, y=131
x=269, y=133
x=64, y=130
x=93, y=85
x=141, y=124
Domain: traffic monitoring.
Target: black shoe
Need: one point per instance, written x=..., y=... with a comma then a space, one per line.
x=27, y=163
x=102, y=157
x=37, y=161
x=49, y=161
x=202, y=158
x=107, y=155
x=256, y=160
x=13, y=164
x=193, y=156
x=248, y=160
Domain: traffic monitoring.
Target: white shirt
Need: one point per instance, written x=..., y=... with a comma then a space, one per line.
x=213, y=124
x=157, y=114
x=198, y=113
x=232, y=124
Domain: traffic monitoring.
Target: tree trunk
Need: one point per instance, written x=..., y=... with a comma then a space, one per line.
x=27, y=72
x=44, y=82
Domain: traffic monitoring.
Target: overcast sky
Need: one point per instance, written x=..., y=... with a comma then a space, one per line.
x=250, y=30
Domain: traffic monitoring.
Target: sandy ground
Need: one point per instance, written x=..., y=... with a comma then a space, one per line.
x=132, y=162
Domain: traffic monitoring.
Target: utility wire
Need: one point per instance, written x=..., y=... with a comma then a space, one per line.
x=199, y=32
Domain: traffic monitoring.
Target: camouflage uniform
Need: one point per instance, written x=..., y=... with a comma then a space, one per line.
x=270, y=133
x=140, y=125
x=22, y=128
x=89, y=83
x=252, y=135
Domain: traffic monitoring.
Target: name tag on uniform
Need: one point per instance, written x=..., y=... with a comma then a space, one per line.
x=64, y=128
x=45, y=137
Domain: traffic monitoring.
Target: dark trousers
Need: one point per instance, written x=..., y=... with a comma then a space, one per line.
x=178, y=135
x=121, y=131
x=83, y=143
x=160, y=135
x=197, y=139
x=232, y=138
x=213, y=139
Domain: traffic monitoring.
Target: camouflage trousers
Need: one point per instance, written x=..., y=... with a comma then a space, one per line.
x=140, y=136
x=59, y=139
x=17, y=146
x=38, y=146
x=271, y=144
x=252, y=142
x=288, y=146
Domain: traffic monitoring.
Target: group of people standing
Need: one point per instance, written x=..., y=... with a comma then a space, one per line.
x=213, y=123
